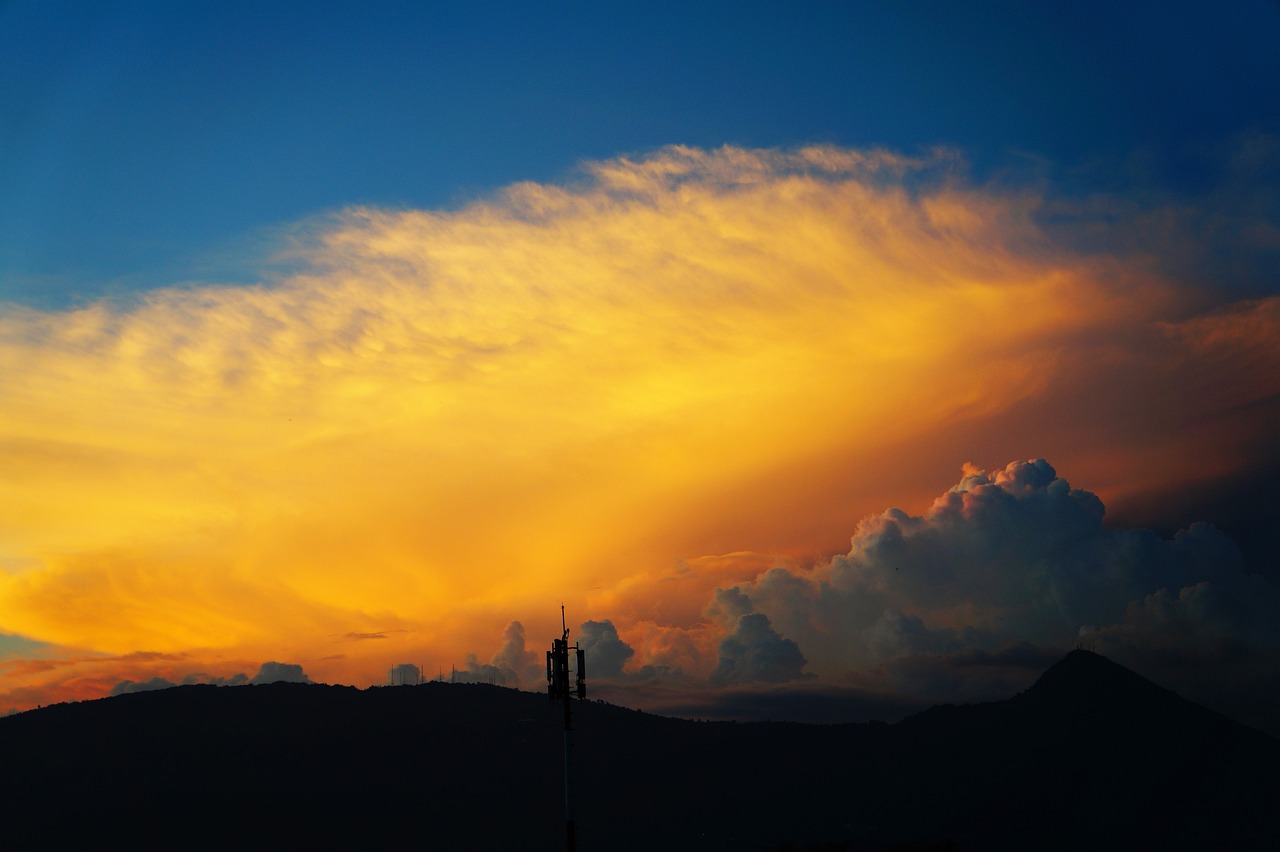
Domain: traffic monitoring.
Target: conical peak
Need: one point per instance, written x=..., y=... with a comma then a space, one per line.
x=1085, y=677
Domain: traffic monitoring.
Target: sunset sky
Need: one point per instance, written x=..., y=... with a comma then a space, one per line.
x=824, y=361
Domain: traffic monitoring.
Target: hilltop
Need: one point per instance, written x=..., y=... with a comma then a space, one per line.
x=1091, y=756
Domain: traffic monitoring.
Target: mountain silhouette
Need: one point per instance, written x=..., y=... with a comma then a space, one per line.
x=1092, y=756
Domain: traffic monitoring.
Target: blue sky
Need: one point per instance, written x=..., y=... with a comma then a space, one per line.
x=149, y=143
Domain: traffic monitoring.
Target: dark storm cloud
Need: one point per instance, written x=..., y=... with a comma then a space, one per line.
x=1216, y=642
x=754, y=652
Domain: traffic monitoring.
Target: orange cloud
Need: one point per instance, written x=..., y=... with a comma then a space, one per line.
x=450, y=419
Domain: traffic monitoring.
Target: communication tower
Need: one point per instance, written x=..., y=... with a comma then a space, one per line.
x=558, y=689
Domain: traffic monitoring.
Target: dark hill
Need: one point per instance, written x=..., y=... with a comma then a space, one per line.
x=1091, y=757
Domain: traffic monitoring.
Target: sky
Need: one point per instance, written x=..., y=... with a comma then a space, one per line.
x=823, y=362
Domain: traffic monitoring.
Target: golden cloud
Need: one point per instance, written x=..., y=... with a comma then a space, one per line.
x=448, y=419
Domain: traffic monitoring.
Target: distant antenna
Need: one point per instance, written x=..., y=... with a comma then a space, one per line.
x=405, y=674
x=558, y=690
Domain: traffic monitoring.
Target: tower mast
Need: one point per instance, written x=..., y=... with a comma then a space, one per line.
x=558, y=690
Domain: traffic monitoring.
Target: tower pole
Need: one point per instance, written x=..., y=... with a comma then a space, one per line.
x=558, y=687
x=570, y=829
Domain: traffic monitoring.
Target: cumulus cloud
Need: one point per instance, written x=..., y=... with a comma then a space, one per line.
x=1014, y=554
x=755, y=652
x=729, y=605
x=1003, y=568
x=513, y=659
x=510, y=665
x=273, y=672
x=606, y=653
x=286, y=672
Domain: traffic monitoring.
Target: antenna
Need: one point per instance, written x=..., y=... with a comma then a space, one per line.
x=558, y=690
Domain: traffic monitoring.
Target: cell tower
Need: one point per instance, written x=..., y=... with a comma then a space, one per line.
x=558, y=689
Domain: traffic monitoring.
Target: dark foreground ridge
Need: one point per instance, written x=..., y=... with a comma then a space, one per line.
x=1092, y=756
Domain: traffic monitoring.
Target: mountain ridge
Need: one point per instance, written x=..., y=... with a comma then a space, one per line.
x=1091, y=755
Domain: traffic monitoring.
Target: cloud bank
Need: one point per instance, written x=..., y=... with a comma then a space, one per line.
x=1001, y=575
x=269, y=672
x=1018, y=557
